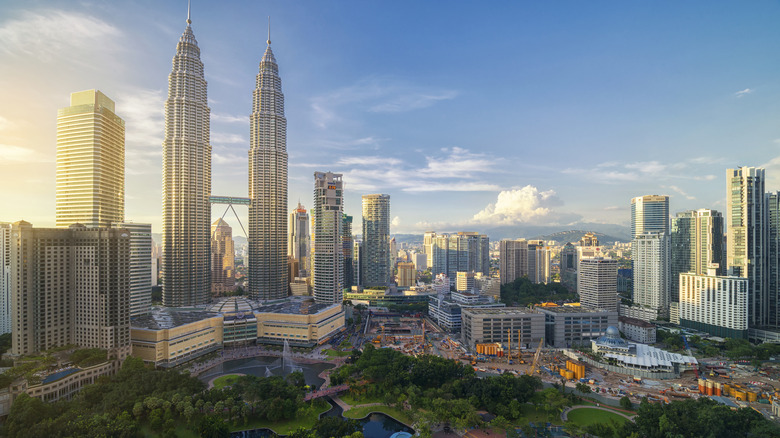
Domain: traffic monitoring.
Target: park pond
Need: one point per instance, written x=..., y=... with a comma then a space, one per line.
x=265, y=366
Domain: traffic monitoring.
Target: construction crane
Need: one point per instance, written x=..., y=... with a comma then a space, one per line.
x=536, y=357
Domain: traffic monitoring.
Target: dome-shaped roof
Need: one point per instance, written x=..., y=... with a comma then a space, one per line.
x=612, y=339
x=612, y=331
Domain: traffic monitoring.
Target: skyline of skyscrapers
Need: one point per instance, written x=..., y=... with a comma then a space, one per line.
x=267, y=274
x=327, y=222
x=90, y=162
x=376, y=269
x=186, y=271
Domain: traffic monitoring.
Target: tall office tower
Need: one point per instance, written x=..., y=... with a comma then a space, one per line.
x=140, y=267
x=439, y=251
x=589, y=239
x=347, y=249
x=186, y=274
x=71, y=286
x=697, y=243
x=649, y=213
x=90, y=162
x=428, y=238
x=5, y=278
x=597, y=283
x=513, y=260
x=392, y=254
x=357, y=256
x=299, y=239
x=747, y=252
x=268, y=184
x=223, y=258
x=569, y=265
x=773, y=262
x=376, y=243
x=538, y=262
x=651, y=271
x=328, y=275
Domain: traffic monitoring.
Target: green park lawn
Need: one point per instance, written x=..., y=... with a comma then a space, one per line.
x=335, y=353
x=536, y=415
x=226, y=380
x=283, y=427
x=354, y=400
x=587, y=416
x=398, y=414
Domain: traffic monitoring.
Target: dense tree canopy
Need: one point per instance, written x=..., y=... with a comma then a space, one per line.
x=522, y=292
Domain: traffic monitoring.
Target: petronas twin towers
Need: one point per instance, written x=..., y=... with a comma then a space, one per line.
x=187, y=182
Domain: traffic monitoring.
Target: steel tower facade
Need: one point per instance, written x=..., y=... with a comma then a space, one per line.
x=268, y=185
x=186, y=224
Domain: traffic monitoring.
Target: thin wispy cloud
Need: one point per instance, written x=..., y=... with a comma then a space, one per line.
x=374, y=95
x=227, y=138
x=368, y=161
x=228, y=118
x=10, y=154
x=58, y=35
x=743, y=93
x=679, y=191
x=653, y=170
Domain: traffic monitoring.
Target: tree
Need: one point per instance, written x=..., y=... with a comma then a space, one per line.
x=625, y=402
x=583, y=388
x=213, y=427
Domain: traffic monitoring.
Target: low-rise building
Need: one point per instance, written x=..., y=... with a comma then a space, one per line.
x=569, y=326
x=481, y=325
x=446, y=310
x=637, y=330
x=640, y=357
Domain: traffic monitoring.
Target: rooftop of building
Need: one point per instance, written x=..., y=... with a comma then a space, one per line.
x=499, y=310
x=232, y=305
x=294, y=306
x=161, y=318
x=635, y=321
x=571, y=309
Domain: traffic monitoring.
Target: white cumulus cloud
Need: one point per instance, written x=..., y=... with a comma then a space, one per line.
x=526, y=204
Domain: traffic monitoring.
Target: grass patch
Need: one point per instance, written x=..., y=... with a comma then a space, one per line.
x=587, y=416
x=335, y=353
x=398, y=414
x=533, y=414
x=354, y=400
x=226, y=380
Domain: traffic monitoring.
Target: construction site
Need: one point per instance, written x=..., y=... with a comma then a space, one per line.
x=403, y=333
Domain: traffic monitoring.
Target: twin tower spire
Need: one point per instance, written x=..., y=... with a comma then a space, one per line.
x=186, y=270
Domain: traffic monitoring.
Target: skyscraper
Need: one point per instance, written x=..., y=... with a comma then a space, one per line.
x=299, y=240
x=651, y=272
x=348, y=248
x=697, y=243
x=773, y=265
x=223, y=258
x=597, y=283
x=5, y=278
x=328, y=266
x=376, y=243
x=140, y=263
x=268, y=184
x=90, y=162
x=513, y=260
x=649, y=213
x=747, y=252
x=186, y=188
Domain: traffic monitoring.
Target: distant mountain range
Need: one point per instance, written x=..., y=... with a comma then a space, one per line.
x=607, y=233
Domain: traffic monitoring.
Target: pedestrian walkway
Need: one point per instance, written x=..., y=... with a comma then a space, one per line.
x=565, y=413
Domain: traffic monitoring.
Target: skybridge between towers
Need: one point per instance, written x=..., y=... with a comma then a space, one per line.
x=230, y=201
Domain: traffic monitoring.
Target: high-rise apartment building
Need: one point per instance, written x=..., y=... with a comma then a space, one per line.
x=268, y=184
x=328, y=265
x=697, y=244
x=186, y=273
x=299, y=240
x=464, y=251
x=538, y=262
x=376, y=269
x=747, y=223
x=649, y=213
x=651, y=254
x=347, y=249
x=714, y=304
x=597, y=283
x=5, y=278
x=70, y=286
x=407, y=274
x=90, y=162
x=513, y=260
x=773, y=262
x=428, y=247
x=140, y=267
x=223, y=258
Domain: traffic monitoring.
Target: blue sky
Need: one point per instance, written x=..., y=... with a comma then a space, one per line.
x=469, y=115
